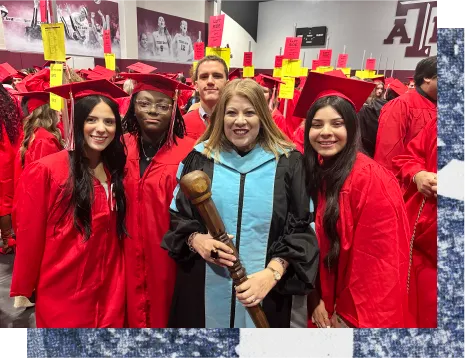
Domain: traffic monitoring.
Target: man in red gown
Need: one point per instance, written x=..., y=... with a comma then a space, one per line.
x=211, y=75
x=402, y=118
x=417, y=171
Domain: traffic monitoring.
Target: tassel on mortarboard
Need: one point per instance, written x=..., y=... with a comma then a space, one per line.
x=170, y=139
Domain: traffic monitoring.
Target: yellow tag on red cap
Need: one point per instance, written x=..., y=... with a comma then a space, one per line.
x=56, y=79
x=53, y=39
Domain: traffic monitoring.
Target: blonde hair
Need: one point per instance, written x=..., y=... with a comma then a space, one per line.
x=128, y=86
x=70, y=76
x=269, y=137
x=44, y=117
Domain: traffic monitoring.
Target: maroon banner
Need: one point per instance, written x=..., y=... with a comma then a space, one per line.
x=167, y=38
x=84, y=23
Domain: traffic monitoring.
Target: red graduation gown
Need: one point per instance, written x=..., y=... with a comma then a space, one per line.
x=421, y=154
x=368, y=287
x=78, y=284
x=195, y=126
x=7, y=156
x=399, y=122
x=43, y=144
x=281, y=122
x=292, y=121
x=150, y=272
x=298, y=138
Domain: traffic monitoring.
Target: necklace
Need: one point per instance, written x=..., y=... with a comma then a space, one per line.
x=147, y=158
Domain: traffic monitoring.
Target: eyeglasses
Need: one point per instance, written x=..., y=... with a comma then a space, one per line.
x=160, y=107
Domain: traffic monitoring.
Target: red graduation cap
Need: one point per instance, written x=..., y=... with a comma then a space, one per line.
x=337, y=73
x=267, y=81
x=100, y=72
x=39, y=81
x=155, y=82
x=378, y=79
x=7, y=71
x=162, y=84
x=397, y=86
x=78, y=90
x=320, y=85
x=236, y=73
x=35, y=99
x=140, y=67
x=410, y=78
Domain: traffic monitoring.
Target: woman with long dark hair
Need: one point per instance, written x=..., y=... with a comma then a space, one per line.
x=10, y=132
x=155, y=147
x=361, y=222
x=69, y=218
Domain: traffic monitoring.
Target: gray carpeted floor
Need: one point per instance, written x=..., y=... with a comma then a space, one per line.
x=9, y=316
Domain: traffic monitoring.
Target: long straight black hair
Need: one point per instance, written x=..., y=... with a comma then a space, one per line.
x=131, y=125
x=329, y=177
x=80, y=182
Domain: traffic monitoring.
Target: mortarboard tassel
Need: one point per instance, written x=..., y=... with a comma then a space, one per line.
x=71, y=126
x=270, y=104
x=170, y=139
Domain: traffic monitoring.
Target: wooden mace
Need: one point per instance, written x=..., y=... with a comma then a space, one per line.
x=196, y=186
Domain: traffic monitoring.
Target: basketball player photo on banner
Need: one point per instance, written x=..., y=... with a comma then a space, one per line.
x=84, y=22
x=167, y=38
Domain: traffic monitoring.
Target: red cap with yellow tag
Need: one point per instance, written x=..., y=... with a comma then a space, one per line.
x=320, y=85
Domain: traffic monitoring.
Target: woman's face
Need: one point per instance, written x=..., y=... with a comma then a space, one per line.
x=99, y=128
x=379, y=90
x=241, y=123
x=153, y=112
x=144, y=41
x=328, y=134
x=266, y=92
x=161, y=22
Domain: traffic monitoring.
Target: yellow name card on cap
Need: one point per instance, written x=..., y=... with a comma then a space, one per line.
x=277, y=71
x=110, y=61
x=53, y=39
x=249, y=71
x=291, y=68
x=303, y=71
x=365, y=74
x=286, y=89
x=223, y=52
x=323, y=69
x=56, y=79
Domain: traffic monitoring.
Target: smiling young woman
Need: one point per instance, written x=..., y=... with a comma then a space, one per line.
x=69, y=219
x=360, y=222
x=155, y=146
x=258, y=188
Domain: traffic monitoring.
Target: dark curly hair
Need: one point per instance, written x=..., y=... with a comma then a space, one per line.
x=10, y=116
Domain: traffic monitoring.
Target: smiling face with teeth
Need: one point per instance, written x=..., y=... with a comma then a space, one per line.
x=99, y=128
x=241, y=123
x=328, y=133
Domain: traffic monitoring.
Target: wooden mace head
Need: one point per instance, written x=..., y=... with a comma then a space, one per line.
x=196, y=186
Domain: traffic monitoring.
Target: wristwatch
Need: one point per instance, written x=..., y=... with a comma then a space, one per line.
x=276, y=274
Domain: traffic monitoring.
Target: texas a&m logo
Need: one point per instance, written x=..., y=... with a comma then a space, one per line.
x=419, y=47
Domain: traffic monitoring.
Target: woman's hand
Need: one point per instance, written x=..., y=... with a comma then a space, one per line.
x=255, y=289
x=204, y=244
x=320, y=316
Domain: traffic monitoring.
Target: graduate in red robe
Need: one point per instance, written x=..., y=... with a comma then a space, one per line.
x=10, y=137
x=211, y=75
x=417, y=171
x=361, y=223
x=41, y=135
x=292, y=121
x=68, y=217
x=402, y=118
x=155, y=146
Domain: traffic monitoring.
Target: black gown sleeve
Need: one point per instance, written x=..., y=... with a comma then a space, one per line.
x=297, y=244
x=184, y=218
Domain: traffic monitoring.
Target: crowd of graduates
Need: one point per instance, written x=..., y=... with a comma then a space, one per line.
x=330, y=198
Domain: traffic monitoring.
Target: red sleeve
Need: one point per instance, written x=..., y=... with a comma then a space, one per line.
x=7, y=157
x=30, y=213
x=413, y=160
x=391, y=132
x=375, y=293
x=41, y=148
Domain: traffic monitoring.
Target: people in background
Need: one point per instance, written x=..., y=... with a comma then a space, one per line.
x=361, y=223
x=182, y=45
x=10, y=134
x=402, y=118
x=210, y=77
x=162, y=41
x=258, y=188
x=69, y=219
x=417, y=170
x=156, y=144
